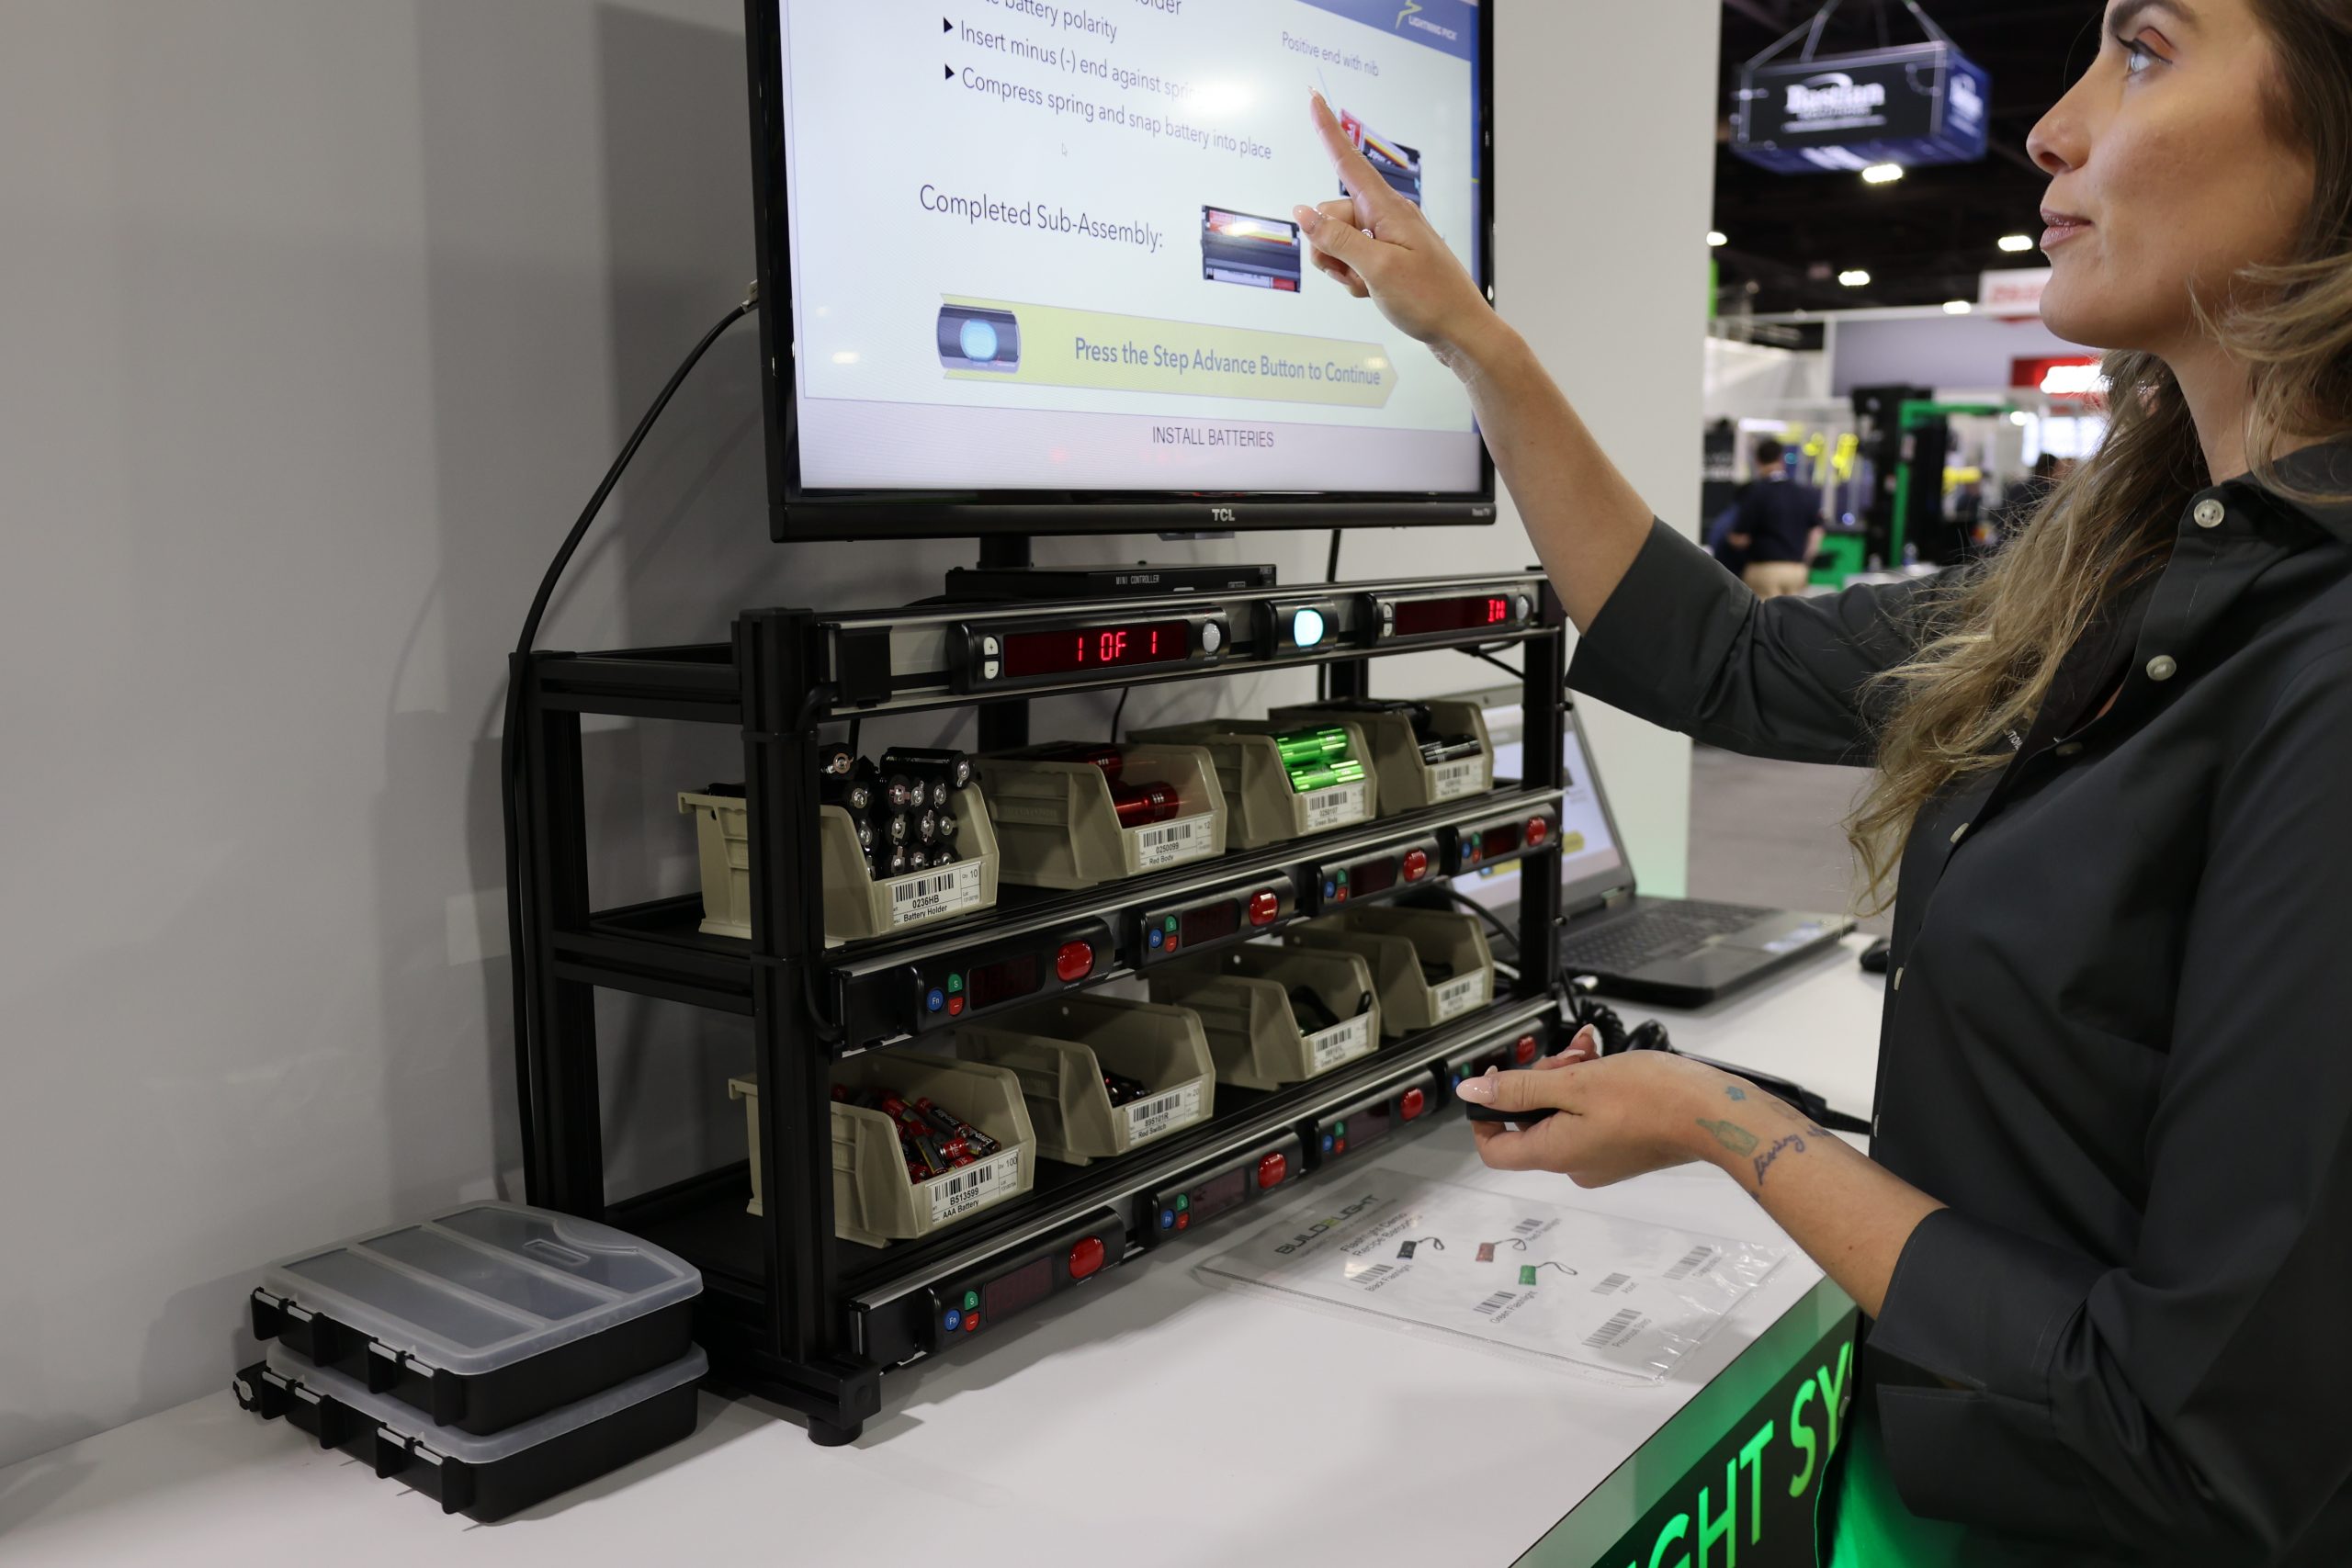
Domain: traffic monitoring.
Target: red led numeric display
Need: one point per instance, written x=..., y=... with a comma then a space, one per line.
x=1422, y=618
x=1097, y=648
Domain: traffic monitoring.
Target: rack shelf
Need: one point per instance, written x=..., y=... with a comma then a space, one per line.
x=789, y=1310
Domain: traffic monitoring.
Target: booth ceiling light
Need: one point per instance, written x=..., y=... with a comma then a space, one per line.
x=2013, y=243
x=1857, y=278
x=1717, y=237
x=1882, y=173
x=1957, y=306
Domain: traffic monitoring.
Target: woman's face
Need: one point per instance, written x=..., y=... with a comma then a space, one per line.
x=2166, y=176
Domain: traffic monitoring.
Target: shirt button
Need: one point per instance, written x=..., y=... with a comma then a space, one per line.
x=2209, y=513
x=1960, y=832
x=2163, y=667
x=1898, y=979
x=2072, y=749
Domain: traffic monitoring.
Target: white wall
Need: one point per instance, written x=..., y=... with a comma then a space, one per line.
x=317, y=322
x=1944, y=353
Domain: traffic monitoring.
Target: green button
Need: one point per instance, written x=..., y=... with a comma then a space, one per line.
x=954, y=984
x=1170, y=924
x=1183, y=1202
x=1343, y=877
x=971, y=1300
x=1339, y=1128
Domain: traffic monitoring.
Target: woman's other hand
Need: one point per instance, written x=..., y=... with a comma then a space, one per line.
x=1380, y=247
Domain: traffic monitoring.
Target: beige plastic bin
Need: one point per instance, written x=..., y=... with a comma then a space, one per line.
x=1056, y=826
x=1260, y=806
x=1243, y=998
x=1407, y=783
x=857, y=905
x=1061, y=1051
x=875, y=1201
x=1394, y=941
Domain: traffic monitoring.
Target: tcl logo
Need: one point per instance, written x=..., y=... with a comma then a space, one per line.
x=1221, y=514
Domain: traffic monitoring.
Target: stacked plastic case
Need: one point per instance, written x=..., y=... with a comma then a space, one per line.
x=491, y=1357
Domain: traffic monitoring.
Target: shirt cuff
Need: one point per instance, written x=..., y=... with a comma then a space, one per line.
x=1980, y=1306
x=1674, y=595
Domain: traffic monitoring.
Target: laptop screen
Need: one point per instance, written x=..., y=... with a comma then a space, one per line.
x=1593, y=862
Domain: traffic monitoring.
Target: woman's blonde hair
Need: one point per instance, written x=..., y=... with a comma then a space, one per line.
x=1992, y=642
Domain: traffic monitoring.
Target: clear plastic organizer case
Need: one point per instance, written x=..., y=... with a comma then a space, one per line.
x=485, y=1316
x=1430, y=966
x=1059, y=1052
x=1244, y=1000
x=486, y=1477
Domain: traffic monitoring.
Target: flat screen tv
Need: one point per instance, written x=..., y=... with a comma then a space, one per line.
x=1028, y=267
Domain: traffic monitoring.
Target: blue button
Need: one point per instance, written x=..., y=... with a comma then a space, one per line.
x=1329, y=888
x=1168, y=1219
x=977, y=340
x=954, y=1320
x=1306, y=627
x=1326, y=1142
x=1157, y=936
x=936, y=999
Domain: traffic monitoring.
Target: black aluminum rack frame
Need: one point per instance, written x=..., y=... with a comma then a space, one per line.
x=788, y=1312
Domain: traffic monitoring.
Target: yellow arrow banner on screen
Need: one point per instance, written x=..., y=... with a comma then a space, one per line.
x=1062, y=347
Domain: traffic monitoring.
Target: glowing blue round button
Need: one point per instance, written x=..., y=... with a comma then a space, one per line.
x=1155, y=936
x=977, y=340
x=1306, y=627
x=936, y=1000
x=1168, y=1219
x=1326, y=1142
x=953, y=1321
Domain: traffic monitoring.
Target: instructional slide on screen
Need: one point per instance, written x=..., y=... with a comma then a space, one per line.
x=1084, y=211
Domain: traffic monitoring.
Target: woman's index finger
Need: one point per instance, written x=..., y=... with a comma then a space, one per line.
x=1356, y=173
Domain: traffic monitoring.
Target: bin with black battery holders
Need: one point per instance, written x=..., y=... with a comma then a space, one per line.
x=483, y=1317
x=490, y=1476
x=1244, y=1000
x=1408, y=781
x=1059, y=825
x=1262, y=805
x=1061, y=1049
x=876, y=1198
x=858, y=905
x=1397, y=942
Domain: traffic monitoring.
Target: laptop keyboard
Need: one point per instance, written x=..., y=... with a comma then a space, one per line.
x=1659, y=931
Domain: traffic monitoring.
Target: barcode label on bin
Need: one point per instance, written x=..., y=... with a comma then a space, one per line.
x=1612, y=1284
x=1461, y=994
x=1451, y=781
x=1340, y=1042
x=1335, y=807
x=974, y=1185
x=1187, y=838
x=930, y=894
x=1614, y=1331
x=1496, y=1302
x=1691, y=1262
x=1163, y=1113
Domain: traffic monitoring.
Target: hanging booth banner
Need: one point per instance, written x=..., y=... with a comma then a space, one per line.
x=1915, y=105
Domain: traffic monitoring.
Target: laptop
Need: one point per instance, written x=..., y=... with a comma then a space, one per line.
x=1673, y=952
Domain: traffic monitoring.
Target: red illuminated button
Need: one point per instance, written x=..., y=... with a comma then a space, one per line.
x=1265, y=908
x=1537, y=831
x=1413, y=1104
x=1524, y=1052
x=971, y=1323
x=1074, y=962
x=1183, y=1220
x=1085, y=1257
x=1417, y=865
x=1272, y=1170
x=954, y=1006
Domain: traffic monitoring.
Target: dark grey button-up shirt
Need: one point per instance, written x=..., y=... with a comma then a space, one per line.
x=2121, y=1045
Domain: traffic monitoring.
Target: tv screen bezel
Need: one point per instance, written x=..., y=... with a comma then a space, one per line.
x=797, y=513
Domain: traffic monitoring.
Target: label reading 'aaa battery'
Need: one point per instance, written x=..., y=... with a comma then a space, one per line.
x=974, y=1185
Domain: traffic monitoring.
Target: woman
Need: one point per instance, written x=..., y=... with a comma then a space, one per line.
x=2105, y=1234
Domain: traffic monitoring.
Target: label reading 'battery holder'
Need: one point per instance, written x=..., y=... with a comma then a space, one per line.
x=1187, y=838
x=1461, y=994
x=1340, y=1042
x=1451, y=781
x=974, y=1185
x=1163, y=1113
x=1335, y=807
x=931, y=894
